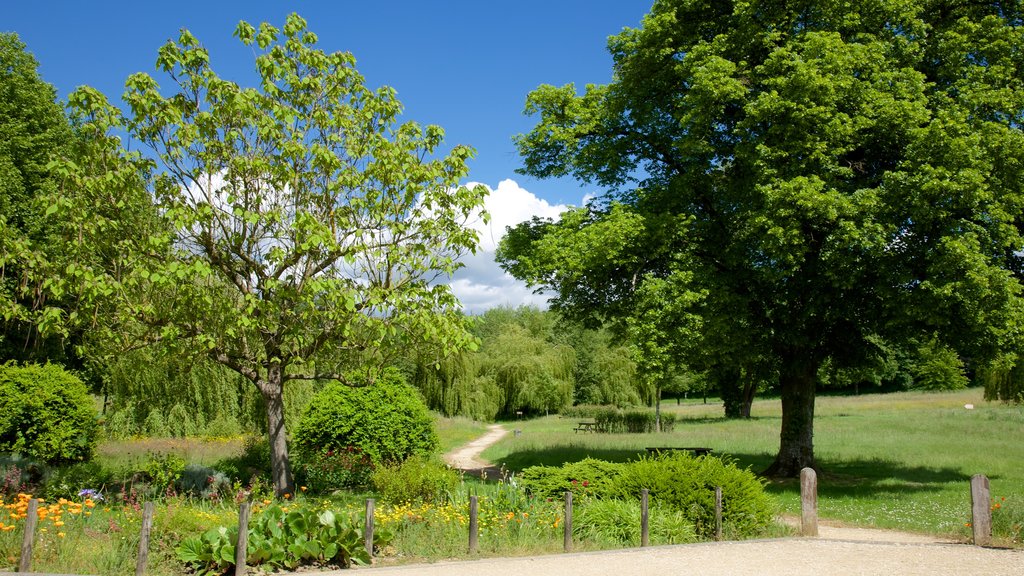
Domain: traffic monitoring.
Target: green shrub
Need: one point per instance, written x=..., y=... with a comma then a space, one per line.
x=164, y=470
x=418, y=479
x=676, y=482
x=335, y=468
x=590, y=411
x=203, y=482
x=686, y=483
x=611, y=419
x=384, y=419
x=68, y=481
x=617, y=522
x=46, y=413
x=586, y=477
x=254, y=460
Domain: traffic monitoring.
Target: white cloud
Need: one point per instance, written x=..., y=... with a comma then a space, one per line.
x=482, y=284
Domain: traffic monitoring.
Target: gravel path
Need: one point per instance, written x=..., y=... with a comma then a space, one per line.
x=784, y=557
x=836, y=551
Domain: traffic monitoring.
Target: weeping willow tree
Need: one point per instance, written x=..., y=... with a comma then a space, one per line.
x=605, y=372
x=531, y=374
x=151, y=392
x=450, y=386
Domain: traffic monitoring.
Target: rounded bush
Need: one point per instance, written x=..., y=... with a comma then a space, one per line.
x=687, y=483
x=676, y=482
x=46, y=413
x=384, y=419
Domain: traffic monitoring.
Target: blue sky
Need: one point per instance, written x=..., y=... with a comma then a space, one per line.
x=465, y=65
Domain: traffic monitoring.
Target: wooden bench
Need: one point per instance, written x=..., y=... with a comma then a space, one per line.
x=585, y=427
x=696, y=451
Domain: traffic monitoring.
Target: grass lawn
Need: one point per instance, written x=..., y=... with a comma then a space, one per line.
x=893, y=461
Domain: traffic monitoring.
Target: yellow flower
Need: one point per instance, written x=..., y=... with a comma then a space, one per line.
x=303, y=488
x=287, y=496
x=60, y=534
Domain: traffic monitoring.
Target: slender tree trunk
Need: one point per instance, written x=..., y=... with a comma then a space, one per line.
x=798, y=376
x=749, y=391
x=272, y=390
x=657, y=409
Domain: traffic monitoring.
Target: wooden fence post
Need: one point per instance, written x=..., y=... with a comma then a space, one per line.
x=645, y=539
x=718, y=513
x=474, y=509
x=368, y=527
x=981, y=511
x=567, y=525
x=808, y=502
x=147, y=527
x=31, y=519
x=241, y=549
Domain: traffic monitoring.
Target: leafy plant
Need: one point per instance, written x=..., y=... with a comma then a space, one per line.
x=383, y=418
x=203, y=482
x=677, y=482
x=686, y=483
x=281, y=538
x=418, y=479
x=617, y=521
x=46, y=413
x=164, y=470
x=330, y=469
x=589, y=476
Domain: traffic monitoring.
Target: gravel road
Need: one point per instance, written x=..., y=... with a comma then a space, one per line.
x=782, y=557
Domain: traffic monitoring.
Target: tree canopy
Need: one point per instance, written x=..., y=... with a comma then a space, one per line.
x=301, y=224
x=33, y=128
x=828, y=173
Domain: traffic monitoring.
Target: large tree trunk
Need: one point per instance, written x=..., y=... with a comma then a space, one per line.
x=798, y=376
x=272, y=390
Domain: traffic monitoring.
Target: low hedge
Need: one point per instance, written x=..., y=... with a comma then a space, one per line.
x=676, y=481
x=612, y=419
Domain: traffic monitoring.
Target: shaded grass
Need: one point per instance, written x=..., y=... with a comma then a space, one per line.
x=899, y=461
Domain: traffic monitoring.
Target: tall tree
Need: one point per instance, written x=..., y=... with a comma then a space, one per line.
x=33, y=128
x=833, y=172
x=303, y=222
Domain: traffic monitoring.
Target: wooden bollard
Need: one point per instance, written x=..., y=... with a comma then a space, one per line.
x=147, y=527
x=567, y=525
x=808, y=502
x=31, y=519
x=241, y=548
x=718, y=513
x=474, y=509
x=981, y=511
x=645, y=539
x=368, y=527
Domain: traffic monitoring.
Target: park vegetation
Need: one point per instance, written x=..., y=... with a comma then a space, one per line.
x=801, y=199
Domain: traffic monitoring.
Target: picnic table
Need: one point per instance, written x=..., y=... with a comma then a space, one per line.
x=586, y=427
x=695, y=450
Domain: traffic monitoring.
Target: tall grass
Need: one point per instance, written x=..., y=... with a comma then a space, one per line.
x=899, y=461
